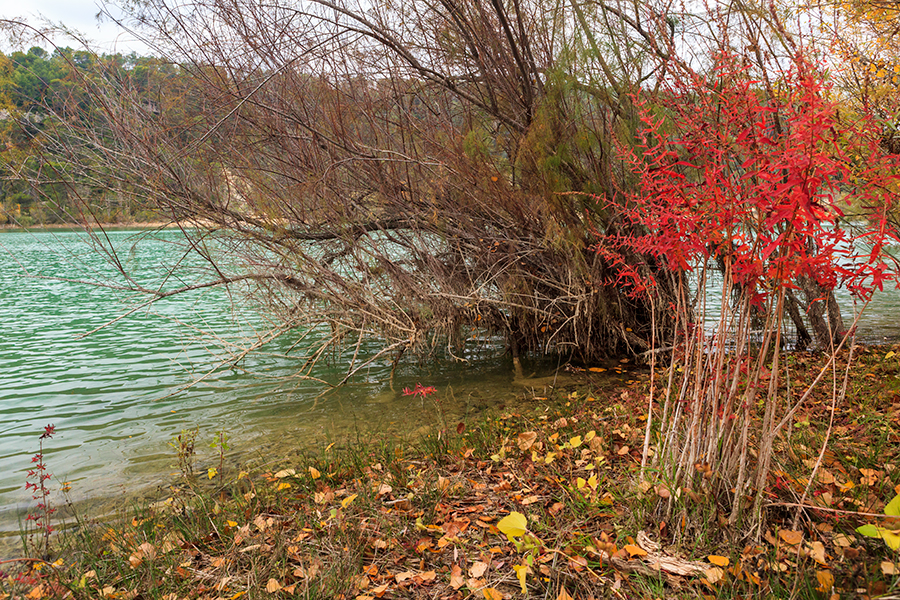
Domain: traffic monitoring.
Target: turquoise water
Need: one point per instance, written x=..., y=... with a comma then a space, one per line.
x=116, y=397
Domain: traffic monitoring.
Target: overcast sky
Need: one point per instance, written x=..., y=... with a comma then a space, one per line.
x=77, y=14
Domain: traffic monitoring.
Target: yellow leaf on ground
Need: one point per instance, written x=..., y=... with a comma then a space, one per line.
x=596, y=369
x=285, y=473
x=790, y=537
x=314, y=473
x=719, y=561
x=513, y=525
x=633, y=550
x=575, y=441
x=348, y=500
x=283, y=485
x=826, y=581
x=212, y=472
x=492, y=594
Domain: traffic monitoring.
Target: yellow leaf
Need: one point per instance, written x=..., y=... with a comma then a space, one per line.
x=314, y=473
x=575, y=441
x=348, y=500
x=551, y=456
x=891, y=353
x=283, y=485
x=212, y=472
x=513, y=525
x=522, y=574
x=492, y=594
x=285, y=473
x=231, y=523
x=592, y=481
x=243, y=474
x=580, y=483
x=596, y=369
x=719, y=561
x=590, y=435
x=633, y=550
x=826, y=581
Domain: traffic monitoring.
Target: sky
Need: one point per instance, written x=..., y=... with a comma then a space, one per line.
x=76, y=14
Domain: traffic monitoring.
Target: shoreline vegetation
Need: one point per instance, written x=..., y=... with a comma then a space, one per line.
x=541, y=500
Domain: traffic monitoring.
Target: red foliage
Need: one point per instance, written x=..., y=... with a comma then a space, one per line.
x=420, y=390
x=725, y=172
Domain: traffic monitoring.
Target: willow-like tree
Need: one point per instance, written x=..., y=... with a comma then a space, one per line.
x=411, y=172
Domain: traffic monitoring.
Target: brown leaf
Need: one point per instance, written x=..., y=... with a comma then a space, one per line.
x=400, y=577
x=526, y=440
x=273, y=586
x=817, y=551
x=564, y=595
x=478, y=569
x=492, y=594
x=427, y=575
x=456, y=577
x=714, y=574
x=790, y=537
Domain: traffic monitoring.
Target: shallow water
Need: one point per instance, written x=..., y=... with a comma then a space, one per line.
x=113, y=395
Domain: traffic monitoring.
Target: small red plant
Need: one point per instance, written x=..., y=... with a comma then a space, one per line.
x=420, y=390
x=36, y=482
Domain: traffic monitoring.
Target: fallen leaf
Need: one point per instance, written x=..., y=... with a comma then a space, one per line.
x=400, y=577
x=564, y=595
x=526, y=440
x=817, y=551
x=826, y=581
x=314, y=473
x=456, y=577
x=273, y=586
x=714, y=574
x=348, y=500
x=790, y=537
x=477, y=569
x=633, y=550
x=719, y=561
x=492, y=594
x=285, y=473
x=889, y=568
x=212, y=472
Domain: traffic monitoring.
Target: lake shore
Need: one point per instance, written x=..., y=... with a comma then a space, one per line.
x=542, y=500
